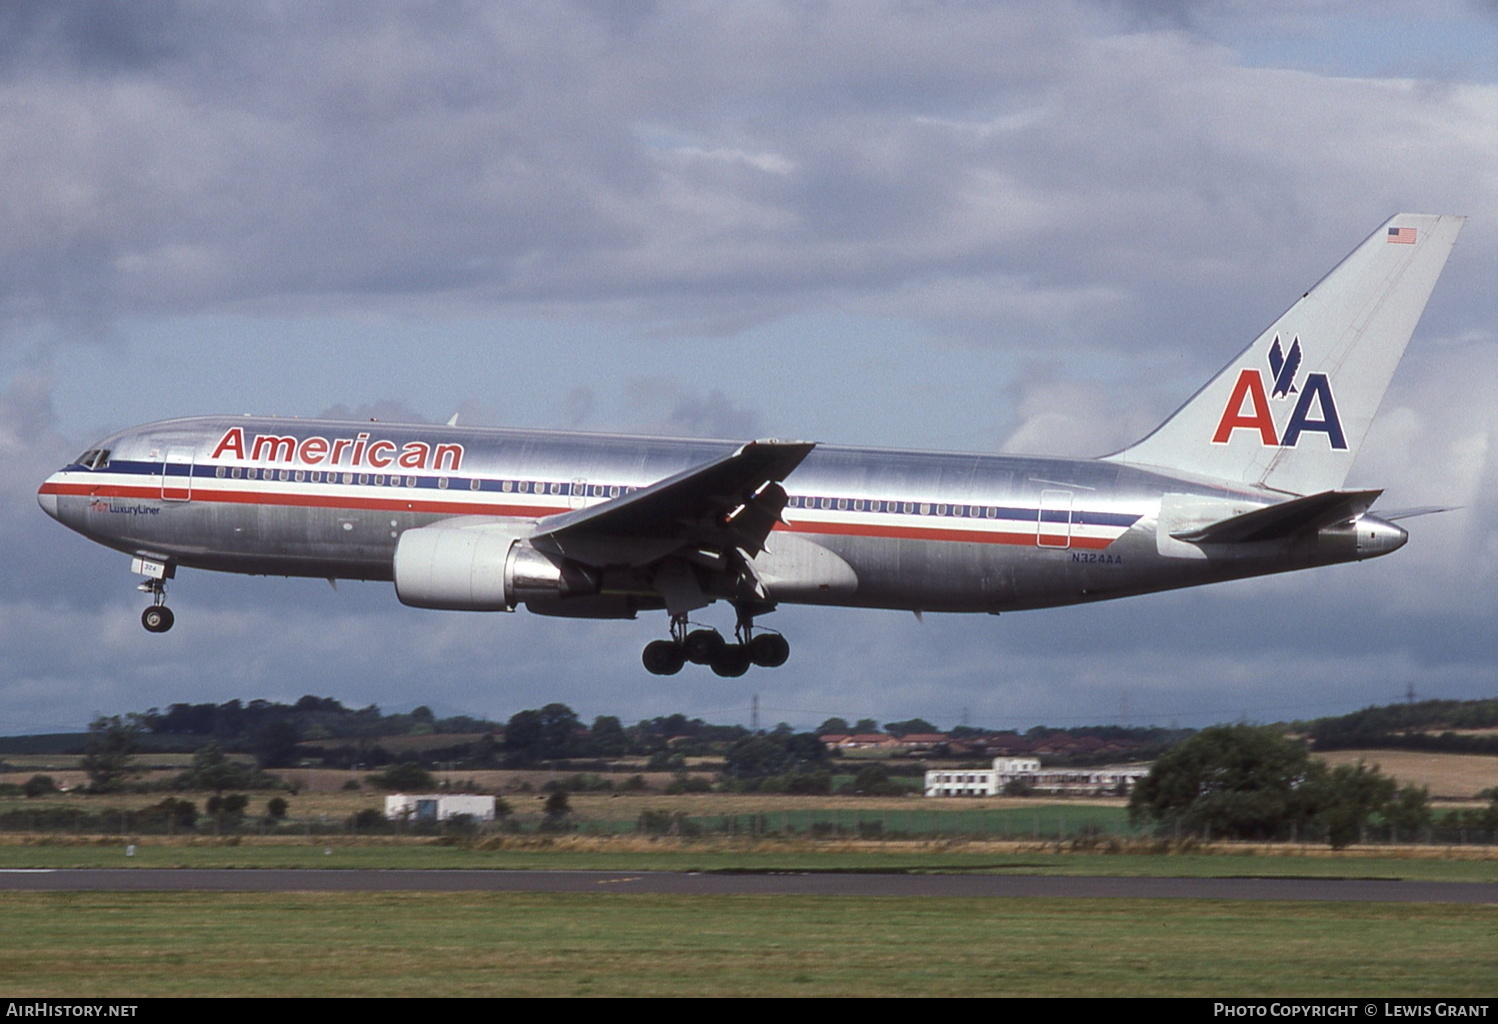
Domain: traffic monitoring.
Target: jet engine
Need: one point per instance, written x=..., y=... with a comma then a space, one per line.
x=481, y=566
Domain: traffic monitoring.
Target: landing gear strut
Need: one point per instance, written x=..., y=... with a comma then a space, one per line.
x=158, y=618
x=707, y=647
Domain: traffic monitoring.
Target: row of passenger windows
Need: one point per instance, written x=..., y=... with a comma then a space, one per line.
x=314, y=476
x=588, y=490
x=924, y=508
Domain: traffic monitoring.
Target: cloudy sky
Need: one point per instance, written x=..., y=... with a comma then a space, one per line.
x=1027, y=227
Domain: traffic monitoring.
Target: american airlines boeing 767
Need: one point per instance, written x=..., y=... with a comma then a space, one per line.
x=1245, y=479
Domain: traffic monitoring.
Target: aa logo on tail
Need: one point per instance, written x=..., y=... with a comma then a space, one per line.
x=1248, y=406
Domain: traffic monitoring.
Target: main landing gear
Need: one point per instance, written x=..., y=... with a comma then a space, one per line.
x=158, y=618
x=707, y=647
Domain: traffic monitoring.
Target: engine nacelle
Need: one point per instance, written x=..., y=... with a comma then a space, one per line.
x=481, y=566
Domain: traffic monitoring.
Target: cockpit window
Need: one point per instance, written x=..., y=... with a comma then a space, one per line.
x=94, y=458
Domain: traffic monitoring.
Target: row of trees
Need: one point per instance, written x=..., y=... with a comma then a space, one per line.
x=1247, y=782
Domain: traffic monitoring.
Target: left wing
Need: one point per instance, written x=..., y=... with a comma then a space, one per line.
x=726, y=505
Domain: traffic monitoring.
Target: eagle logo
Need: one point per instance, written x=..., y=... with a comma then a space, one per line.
x=1284, y=367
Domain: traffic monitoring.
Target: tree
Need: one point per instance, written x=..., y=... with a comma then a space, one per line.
x=1233, y=781
x=1350, y=796
x=1409, y=812
x=274, y=744
x=406, y=776
x=38, y=785
x=607, y=737
x=228, y=804
x=545, y=735
x=874, y=780
x=557, y=810
x=757, y=757
x=834, y=727
x=111, y=741
x=212, y=769
x=914, y=725
x=865, y=725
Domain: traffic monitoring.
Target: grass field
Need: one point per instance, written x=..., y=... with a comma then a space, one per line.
x=492, y=944
x=1437, y=864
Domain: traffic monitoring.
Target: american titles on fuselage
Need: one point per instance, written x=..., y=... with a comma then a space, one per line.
x=358, y=450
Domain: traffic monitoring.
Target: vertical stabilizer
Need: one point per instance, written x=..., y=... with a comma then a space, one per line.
x=1289, y=412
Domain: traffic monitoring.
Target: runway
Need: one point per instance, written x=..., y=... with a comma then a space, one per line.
x=932, y=886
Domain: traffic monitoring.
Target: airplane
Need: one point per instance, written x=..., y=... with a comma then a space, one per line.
x=1245, y=479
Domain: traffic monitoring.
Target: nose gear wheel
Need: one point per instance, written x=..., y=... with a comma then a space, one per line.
x=158, y=618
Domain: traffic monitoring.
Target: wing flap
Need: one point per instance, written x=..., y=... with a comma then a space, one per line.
x=732, y=501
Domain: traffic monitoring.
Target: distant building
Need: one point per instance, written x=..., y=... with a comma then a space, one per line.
x=1106, y=781
x=869, y=741
x=914, y=741
x=438, y=807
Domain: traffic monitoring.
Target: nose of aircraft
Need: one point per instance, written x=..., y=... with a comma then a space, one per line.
x=46, y=496
x=1378, y=537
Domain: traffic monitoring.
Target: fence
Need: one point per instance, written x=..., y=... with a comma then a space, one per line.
x=1047, y=822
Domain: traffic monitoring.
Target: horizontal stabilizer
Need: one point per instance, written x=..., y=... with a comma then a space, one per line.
x=1410, y=513
x=1302, y=515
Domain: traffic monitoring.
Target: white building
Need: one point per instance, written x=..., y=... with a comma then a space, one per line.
x=438, y=807
x=1106, y=781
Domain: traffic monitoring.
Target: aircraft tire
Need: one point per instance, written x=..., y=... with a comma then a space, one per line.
x=663, y=658
x=733, y=662
x=703, y=646
x=769, y=650
x=157, y=618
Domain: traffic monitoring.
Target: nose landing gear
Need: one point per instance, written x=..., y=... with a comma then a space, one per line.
x=158, y=618
x=707, y=647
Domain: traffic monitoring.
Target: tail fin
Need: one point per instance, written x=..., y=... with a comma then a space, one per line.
x=1289, y=412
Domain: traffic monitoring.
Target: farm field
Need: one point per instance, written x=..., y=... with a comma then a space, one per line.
x=1449, y=776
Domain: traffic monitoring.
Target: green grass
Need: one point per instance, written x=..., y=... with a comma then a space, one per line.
x=674, y=856
x=503, y=944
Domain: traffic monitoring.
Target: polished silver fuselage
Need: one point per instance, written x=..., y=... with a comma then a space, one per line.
x=924, y=531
